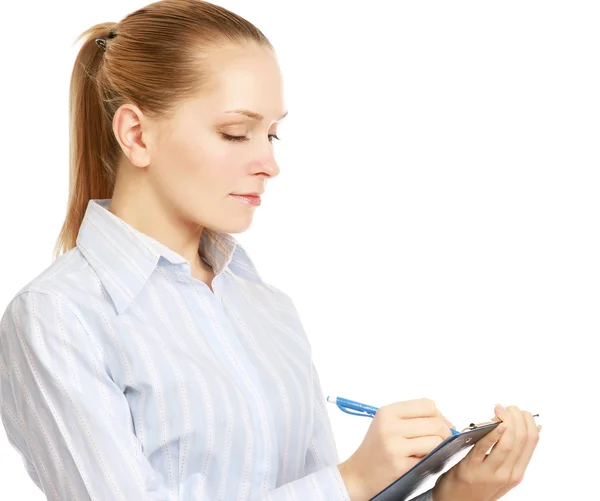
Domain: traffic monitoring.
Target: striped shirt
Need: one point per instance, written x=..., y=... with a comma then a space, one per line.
x=122, y=377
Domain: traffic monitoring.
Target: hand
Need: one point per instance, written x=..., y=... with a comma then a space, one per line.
x=399, y=435
x=481, y=477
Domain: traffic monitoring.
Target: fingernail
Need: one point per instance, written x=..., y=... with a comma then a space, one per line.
x=499, y=408
x=539, y=427
x=501, y=430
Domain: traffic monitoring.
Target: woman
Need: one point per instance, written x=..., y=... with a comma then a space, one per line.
x=150, y=361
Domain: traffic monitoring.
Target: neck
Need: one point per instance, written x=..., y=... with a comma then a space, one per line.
x=137, y=205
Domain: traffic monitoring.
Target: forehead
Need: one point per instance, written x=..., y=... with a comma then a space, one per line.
x=245, y=77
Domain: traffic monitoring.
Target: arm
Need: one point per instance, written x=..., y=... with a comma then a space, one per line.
x=322, y=456
x=322, y=453
x=63, y=413
x=323, y=480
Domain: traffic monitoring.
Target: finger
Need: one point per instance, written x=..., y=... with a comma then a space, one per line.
x=520, y=443
x=423, y=427
x=519, y=470
x=533, y=435
x=423, y=407
x=501, y=450
x=478, y=453
x=421, y=446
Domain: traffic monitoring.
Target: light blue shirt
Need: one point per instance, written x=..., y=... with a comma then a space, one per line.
x=122, y=377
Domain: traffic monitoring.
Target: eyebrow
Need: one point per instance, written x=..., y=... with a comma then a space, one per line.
x=254, y=115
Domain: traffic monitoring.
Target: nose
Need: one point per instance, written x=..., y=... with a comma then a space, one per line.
x=266, y=167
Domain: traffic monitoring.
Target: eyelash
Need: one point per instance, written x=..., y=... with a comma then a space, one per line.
x=239, y=139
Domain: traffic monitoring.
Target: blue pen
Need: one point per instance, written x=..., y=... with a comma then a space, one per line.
x=361, y=409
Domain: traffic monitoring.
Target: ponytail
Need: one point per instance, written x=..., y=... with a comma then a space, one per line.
x=93, y=149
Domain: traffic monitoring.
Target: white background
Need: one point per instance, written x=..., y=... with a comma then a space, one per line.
x=436, y=219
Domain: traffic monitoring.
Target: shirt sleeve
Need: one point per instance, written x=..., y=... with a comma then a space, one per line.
x=323, y=480
x=63, y=413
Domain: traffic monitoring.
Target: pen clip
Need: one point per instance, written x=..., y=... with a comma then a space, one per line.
x=353, y=412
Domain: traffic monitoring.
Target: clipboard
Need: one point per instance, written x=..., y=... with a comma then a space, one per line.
x=434, y=463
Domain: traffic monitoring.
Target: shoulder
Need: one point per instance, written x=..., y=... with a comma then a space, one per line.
x=68, y=269
x=62, y=285
x=50, y=318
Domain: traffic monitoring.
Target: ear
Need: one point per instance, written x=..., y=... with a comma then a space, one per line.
x=128, y=127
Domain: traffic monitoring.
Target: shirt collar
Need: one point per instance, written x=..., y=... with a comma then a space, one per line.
x=124, y=258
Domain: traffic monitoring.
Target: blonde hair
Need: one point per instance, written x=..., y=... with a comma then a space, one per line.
x=152, y=58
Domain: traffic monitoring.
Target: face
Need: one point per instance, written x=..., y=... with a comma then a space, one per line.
x=212, y=150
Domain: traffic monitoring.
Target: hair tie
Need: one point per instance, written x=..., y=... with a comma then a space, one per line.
x=101, y=41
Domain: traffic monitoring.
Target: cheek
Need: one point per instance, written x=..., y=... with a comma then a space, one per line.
x=198, y=172
x=224, y=158
x=222, y=164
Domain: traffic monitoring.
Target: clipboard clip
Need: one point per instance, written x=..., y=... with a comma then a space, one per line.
x=474, y=426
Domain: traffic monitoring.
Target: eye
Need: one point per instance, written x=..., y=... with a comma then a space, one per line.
x=237, y=139
x=234, y=138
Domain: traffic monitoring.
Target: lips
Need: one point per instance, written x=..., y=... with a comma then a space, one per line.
x=248, y=198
